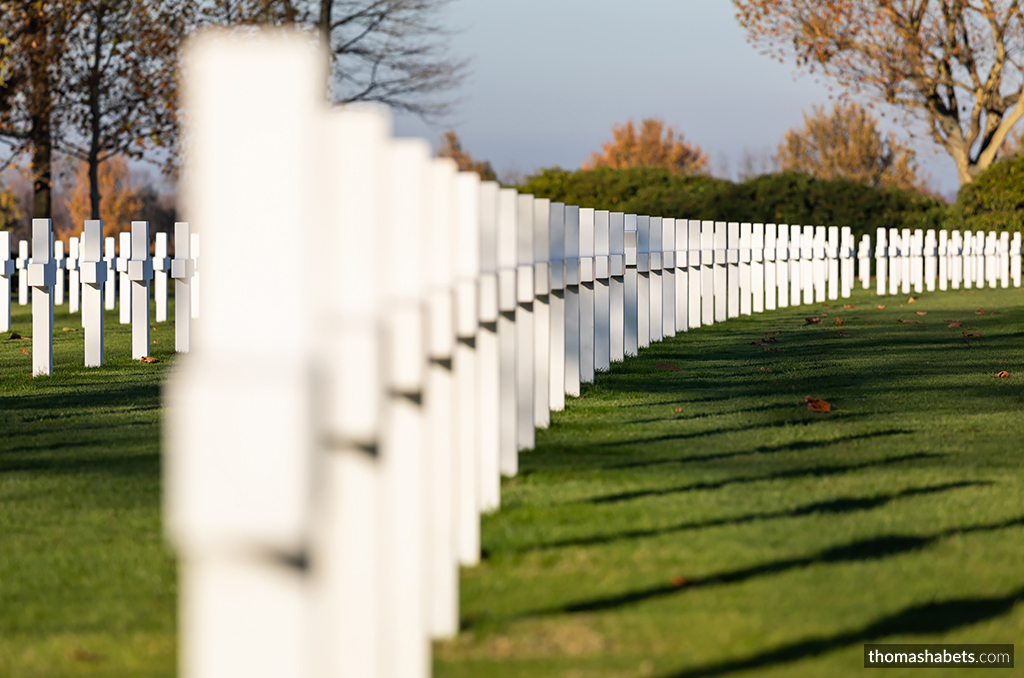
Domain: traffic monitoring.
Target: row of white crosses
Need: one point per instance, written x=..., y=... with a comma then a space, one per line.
x=917, y=261
x=348, y=411
x=114, y=263
x=89, y=273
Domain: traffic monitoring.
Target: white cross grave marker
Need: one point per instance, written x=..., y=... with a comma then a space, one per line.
x=864, y=261
x=140, y=272
x=124, y=251
x=931, y=261
x=182, y=268
x=764, y=268
x=1004, y=259
x=695, y=273
x=74, y=277
x=488, y=354
x=572, y=300
x=541, y=312
x=59, y=265
x=846, y=243
x=796, y=277
x=707, y=273
x=161, y=269
x=782, y=267
x=466, y=253
x=238, y=459
x=442, y=585
x=643, y=287
x=895, y=267
x=6, y=272
x=832, y=254
x=602, y=292
x=720, y=243
x=945, y=270
x=882, y=249
x=1015, y=254
x=656, y=226
x=906, y=250
x=507, y=302
x=917, y=260
x=617, y=282
x=967, y=256
x=21, y=263
x=556, y=364
x=747, y=283
x=631, y=287
x=805, y=239
x=525, y=431
x=42, y=275
x=110, y=288
x=344, y=575
x=732, y=258
x=587, y=228
x=94, y=275
x=668, y=277
x=682, y=275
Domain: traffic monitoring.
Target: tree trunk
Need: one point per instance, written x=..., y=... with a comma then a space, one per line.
x=40, y=138
x=94, y=121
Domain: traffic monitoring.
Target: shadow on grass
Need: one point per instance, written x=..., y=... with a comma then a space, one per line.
x=814, y=472
x=926, y=619
x=81, y=396
x=874, y=548
x=795, y=446
x=839, y=506
x=101, y=462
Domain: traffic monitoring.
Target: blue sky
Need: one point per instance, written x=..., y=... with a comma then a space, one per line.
x=549, y=78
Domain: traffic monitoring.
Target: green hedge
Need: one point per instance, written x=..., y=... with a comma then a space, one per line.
x=787, y=198
x=994, y=201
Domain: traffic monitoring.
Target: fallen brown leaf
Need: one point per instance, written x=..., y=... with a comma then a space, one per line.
x=15, y=335
x=980, y=311
x=680, y=581
x=812, y=321
x=678, y=410
x=1003, y=375
x=151, y=359
x=848, y=306
x=69, y=329
x=911, y=300
x=24, y=351
x=817, y=404
x=921, y=312
x=910, y=321
x=881, y=306
x=660, y=365
x=954, y=325
x=839, y=321
x=84, y=655
x=971, y=334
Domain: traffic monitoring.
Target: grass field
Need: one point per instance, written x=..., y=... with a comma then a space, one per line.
x=699, y=522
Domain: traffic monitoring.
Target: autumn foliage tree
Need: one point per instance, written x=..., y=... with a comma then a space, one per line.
x=393, y=52
x=955, y=63
x=122, y=201
x=846, y=143
x=653, y=146
x=451, y=147
x=122, y=67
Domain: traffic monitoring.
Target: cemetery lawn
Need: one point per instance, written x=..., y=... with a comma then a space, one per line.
x=703, y=522
x=87, y=584
x=699, y=522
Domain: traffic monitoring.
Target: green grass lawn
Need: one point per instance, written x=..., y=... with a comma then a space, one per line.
x=699, y=522
x=87, y=584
